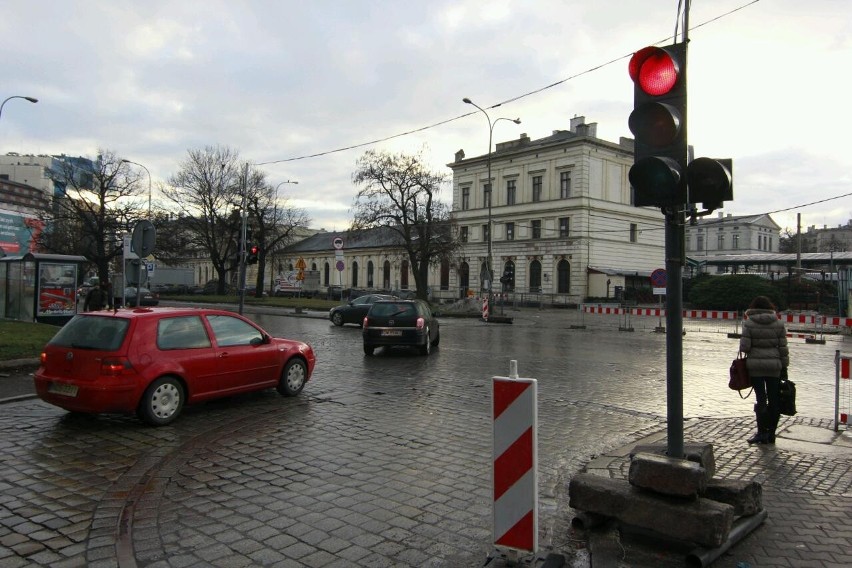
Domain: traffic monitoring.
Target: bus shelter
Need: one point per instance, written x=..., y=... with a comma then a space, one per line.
x=39, y=287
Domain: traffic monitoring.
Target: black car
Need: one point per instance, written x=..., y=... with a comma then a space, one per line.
x=400, y=322
x=355, y=310
x=146, y=297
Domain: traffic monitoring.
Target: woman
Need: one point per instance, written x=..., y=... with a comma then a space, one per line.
x=764, y=341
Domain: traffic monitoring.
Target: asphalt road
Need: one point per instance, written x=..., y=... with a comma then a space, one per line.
x=382, y=461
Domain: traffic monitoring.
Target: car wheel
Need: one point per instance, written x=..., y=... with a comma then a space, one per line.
x=426, y=348
x=337, y=319
x=162, y=401
x=437, y=339
x=293, y=378
x=368, y=349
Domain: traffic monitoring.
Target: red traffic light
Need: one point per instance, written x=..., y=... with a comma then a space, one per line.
x=254, y=250
x=654, y=70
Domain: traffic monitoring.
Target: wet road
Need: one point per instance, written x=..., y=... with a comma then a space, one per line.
x=382, y=461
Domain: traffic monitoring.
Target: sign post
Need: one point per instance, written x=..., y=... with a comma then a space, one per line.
x=659, y=280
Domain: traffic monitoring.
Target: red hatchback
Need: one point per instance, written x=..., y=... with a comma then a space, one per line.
x=153, y=361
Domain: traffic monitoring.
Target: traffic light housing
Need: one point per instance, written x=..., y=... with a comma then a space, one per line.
x=658, y=123
x=710, y=182
x=253, y=252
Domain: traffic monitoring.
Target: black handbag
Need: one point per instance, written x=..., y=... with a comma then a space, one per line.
x=787, y=400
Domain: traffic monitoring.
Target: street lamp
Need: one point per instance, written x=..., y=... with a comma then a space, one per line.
x=31, y=99
x=149, y=182
x=491, y=125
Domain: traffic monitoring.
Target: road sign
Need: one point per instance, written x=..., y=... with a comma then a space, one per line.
x=659, y=278
x=340, y=266
x=301, y=264
x=337, y=243
x=144, y=237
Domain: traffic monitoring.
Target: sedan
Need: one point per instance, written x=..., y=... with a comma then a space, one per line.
x=355, y=310
x=146, y=297
x=153, y=361
x=400, y=322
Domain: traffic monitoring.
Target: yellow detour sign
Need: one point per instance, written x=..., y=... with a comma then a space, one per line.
x=300, y=275
x=300, y=264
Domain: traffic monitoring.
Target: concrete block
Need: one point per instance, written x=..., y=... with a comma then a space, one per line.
x=699, y=452
x=669, y=476
x=700, y=521
x=746, y=497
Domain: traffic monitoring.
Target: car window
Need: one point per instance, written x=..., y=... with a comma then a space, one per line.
x=388, y=309
x=186, y=332
x=92, y=332
x=362, y=300
x=229, y=331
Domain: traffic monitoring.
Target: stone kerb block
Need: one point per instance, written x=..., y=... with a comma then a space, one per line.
x=669, y=476
x=701, y=521
x=699, y=452
x=746, y=497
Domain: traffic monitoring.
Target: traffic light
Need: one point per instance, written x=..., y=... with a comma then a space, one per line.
x=253, y=251
x=658, y=123
x=710, y=182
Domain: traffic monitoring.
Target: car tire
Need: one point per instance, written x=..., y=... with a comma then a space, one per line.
x=293, y=377
x=426, y=348
x=368, y=349
x=162, y=401
x=337, y=319
x=437, y=339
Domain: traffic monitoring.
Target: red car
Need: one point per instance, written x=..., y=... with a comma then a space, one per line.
x=152, y=361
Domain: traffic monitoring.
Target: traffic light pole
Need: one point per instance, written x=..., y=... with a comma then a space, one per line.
x=243, y=251
x=675, y=220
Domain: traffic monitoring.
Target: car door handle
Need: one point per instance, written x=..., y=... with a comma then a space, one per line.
x=223, y=354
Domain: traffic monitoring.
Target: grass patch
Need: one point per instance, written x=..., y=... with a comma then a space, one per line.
x=24, y=340
x=306, y=303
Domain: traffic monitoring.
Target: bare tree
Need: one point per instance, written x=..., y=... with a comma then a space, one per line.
x=204, y=192
x=399, y=192
x=93, y=209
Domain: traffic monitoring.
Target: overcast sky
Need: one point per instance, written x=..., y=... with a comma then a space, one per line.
x=281, y=80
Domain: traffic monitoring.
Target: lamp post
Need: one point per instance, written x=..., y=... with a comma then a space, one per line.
x=491, y=125
x=272, y=252
x=149, y=182
x=31, y=99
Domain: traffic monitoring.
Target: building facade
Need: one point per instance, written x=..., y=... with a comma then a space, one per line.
x=829, y=239
x=710, y=238
x=561, y=218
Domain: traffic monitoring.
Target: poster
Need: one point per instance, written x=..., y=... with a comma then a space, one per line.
x=57, y=291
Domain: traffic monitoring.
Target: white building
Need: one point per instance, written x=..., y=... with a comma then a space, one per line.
x=562, y=218
x=710, y=238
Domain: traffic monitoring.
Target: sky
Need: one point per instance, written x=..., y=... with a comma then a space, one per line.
x=304, y=88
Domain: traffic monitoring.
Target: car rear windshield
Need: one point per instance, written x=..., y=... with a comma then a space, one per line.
x=92, y=332
x=393, y=309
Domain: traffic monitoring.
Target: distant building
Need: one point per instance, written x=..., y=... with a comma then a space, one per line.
x=562, y=218
x=713, y=237
x=828, y=239
x=21, y=207
x=35, y=170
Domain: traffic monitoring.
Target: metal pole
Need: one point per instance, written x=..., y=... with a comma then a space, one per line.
x=243, y=233
x=674, y=332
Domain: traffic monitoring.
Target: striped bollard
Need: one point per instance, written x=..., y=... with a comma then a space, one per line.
x=485, y=308
x=842, y=377
x=515, y=461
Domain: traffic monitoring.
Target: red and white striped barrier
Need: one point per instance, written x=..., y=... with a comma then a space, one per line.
x=842, y=395
x=800, y=318
x=837, y=322
x=515, y=461
x=711, y=314
x=605, y=310
x=485, y=308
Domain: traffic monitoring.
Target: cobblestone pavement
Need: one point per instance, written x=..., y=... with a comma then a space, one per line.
x=385, y=461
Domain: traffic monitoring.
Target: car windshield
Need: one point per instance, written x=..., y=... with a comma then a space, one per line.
x=391, y=309
x=92, y=332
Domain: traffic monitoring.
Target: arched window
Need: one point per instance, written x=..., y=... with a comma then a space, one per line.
x=535, y=276
x=509, y=274
x=369, y=274
x=326, y=274
x=386, y=276
x=563, y=277
x=403, y=275
x=314, y=266
x=445, y=275
x=354, y=274
x=464, y=278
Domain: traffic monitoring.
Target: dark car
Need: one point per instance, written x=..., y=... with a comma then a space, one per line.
x=153, y=361
x=355, y=310
x=400, y=322
x=146, y=297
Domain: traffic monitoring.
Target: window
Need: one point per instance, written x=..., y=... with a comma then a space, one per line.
x=565, y=185
x=403, y=275
x=510, y=192
x=486, y=233
x=354, y=274
x=699, y=242
x=563, y=277
x=536, y=188
x=463, y=234
x=536, y=229
x=326, y=274
x=634, y=232
x=231, y=331
x=182, y=333
x=510, y=231
x=465, y=204
x=445, y=274
x=386, y=275
x=535, y=276
x=736, y=243
x=464, y=278
x=508, y=278
x=370, y=274
x=721, y=243
x=486, y=195
x=563, y=226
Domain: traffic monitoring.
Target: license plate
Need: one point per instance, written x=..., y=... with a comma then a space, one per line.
x=63, y=389
x=391, y=332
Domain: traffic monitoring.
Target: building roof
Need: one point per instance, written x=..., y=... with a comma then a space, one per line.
x=738, y=219
x=381, y=237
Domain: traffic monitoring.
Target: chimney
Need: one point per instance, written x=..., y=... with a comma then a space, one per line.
x=721, y=215
x=460, y=155
x=576, y=122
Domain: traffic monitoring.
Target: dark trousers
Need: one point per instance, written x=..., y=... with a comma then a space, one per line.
x=767, y=390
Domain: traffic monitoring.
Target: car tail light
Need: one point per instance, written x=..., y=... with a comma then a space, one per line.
x=366, y=319
x=115, y=366
x=43, y=357
x=421, y=323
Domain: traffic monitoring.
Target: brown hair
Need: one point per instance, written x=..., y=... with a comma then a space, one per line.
x=761, y=303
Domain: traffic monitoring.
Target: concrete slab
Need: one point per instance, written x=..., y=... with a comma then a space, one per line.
x=814, y=440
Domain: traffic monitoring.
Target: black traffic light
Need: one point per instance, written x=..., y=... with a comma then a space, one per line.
x=658, y=123
x=710, y=182
x=253, y=252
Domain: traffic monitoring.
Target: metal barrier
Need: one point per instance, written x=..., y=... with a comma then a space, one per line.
x=842, y=390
